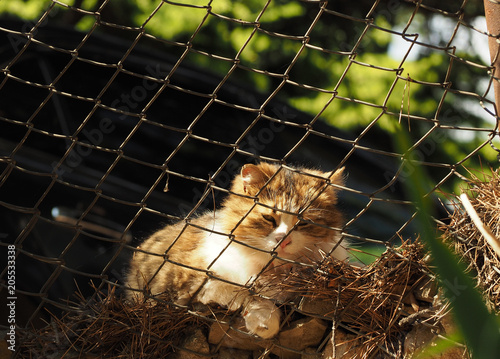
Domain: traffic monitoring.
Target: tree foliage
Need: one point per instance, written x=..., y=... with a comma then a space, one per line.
x=350, y=42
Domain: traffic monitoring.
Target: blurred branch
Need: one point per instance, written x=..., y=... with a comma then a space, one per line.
x=492, y=13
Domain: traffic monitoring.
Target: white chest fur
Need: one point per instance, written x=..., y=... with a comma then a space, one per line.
x=230, y=260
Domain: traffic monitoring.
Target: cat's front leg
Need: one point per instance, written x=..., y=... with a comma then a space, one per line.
x=262, y=317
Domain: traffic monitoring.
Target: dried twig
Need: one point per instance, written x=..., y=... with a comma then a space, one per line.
x=483, y=228
x=474, y=233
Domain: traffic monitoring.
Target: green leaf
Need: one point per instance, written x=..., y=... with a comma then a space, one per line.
x=25, y=10
x=479, y=327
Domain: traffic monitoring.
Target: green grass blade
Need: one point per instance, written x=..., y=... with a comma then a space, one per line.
x=479, y=327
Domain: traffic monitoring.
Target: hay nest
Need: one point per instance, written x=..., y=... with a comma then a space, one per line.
x=466, y=238
x=378, y=304
x=387, y=309
x=110, y=327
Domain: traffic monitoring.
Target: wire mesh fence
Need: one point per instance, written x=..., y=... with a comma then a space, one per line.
x=117, y=119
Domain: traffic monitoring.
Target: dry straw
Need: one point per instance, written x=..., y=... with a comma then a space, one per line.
x=112, y=328
x=374, y=302
x=474, y=232
x=378, y=305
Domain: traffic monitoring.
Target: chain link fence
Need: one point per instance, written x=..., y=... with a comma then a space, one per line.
x=116, y=119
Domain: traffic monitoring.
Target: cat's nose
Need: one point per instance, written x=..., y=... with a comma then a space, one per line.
x=284, y=242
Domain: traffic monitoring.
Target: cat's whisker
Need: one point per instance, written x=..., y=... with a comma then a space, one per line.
x=312, y=209
x=309, y=249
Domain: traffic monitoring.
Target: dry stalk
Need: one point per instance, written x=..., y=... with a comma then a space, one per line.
x=110, y=327
x=370, y=301
x=475, y=236
x=483, y=228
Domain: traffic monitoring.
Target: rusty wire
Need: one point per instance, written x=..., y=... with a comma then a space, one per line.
x=261, y=111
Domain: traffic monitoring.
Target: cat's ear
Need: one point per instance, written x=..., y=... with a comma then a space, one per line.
x=338, y=177
x=253, y=178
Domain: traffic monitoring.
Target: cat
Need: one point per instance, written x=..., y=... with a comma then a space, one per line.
x=272, y=218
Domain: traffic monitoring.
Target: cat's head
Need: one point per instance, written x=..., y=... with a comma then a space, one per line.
x=291, y=211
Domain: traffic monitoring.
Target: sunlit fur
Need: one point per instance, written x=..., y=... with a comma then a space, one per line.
x=272, y=219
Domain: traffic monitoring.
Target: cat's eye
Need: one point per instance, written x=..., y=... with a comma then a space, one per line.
x=303, y=224
x=270, y=219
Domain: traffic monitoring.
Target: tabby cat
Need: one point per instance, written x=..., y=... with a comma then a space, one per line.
x=273, y=218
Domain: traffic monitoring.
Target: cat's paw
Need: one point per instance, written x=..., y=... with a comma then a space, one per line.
x=262, y=318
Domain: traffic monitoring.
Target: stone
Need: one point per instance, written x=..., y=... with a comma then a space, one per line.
x=448, y=324
x=231, y=353
x=317, y=306
x=194, y=346
x=347, y=346
x=416, y=339
x=310, y=353
x=227, y=337
x=421, y=337
x=453, y=353
x=299, y=335
x=289, y=344
x=426, y=291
